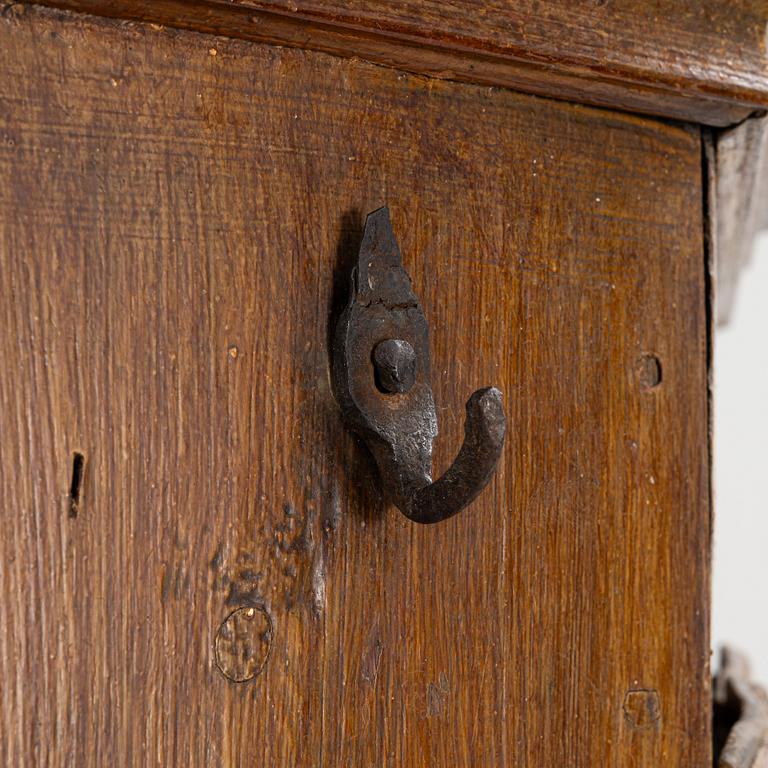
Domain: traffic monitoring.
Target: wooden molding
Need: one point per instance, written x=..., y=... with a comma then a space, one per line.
x=703, y=62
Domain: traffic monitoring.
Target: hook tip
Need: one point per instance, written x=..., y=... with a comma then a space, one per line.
x=485, y=416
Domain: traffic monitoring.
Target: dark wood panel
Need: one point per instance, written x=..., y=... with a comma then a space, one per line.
x=703, y=62
x=175, y=211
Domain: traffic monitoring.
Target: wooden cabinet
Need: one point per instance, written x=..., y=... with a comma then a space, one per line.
x=220, y=582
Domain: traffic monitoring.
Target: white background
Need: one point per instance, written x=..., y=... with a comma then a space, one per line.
x=740, y=568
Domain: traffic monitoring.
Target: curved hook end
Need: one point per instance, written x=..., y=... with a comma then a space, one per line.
x=486, y=420
x=484, y=432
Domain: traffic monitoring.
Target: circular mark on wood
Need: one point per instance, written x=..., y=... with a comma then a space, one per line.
x=649, y=371
x=243, y=643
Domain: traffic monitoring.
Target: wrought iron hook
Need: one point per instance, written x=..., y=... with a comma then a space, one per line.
x=381, y=372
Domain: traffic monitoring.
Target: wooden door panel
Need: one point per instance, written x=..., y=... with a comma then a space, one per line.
x=177, y=213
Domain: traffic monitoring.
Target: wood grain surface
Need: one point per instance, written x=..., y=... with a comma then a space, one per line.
x=703, y=61
x=177, y=213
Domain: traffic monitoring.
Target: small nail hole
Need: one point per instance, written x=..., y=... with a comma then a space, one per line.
x=649, y=371
x=78, y=465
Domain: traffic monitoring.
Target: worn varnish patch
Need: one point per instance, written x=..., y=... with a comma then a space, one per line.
x=203, y=204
